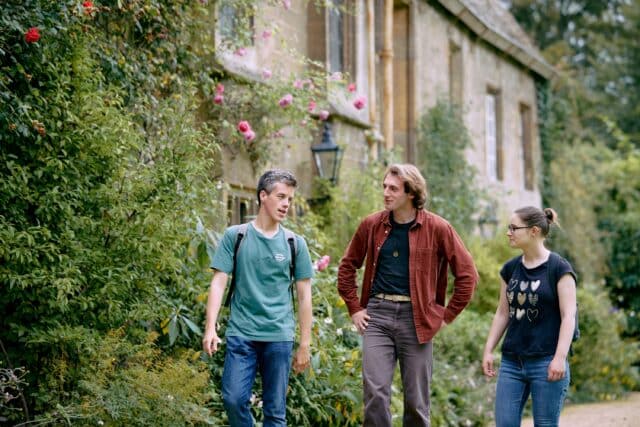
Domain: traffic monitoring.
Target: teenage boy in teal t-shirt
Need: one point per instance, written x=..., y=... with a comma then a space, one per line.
x=261, y=327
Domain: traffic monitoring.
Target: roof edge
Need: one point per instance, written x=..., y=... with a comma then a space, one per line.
x=499, y=41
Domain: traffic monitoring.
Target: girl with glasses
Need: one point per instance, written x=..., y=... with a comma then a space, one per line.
x=537, y=310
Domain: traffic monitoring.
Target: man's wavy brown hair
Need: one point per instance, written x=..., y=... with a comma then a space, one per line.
x=414, y=182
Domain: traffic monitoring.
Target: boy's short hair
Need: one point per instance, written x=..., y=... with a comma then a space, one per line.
x=271, y=177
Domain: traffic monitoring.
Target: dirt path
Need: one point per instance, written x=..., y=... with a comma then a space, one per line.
x=619, y=413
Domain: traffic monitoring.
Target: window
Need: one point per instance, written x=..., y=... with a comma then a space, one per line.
x=342, y=36
x=493, y=143
x=332, y=35
x=336, y=36
x=455, y=74
x=234, y=24
x=527, y=147
x=241, y=208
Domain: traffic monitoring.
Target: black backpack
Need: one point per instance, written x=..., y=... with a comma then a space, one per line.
x=293, y=247
x=552, y=276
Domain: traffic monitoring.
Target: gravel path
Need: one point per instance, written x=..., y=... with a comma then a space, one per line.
x=619, y=413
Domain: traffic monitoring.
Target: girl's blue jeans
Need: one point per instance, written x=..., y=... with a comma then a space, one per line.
x=520, y=377
x=243, y=359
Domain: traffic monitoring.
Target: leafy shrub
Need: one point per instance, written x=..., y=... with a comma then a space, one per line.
x=442, y=140
x=602, y=366
x=123, y=383
x=621, y=223
x=101, y=177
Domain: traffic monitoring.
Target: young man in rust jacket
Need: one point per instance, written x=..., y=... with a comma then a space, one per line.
x=408, y=252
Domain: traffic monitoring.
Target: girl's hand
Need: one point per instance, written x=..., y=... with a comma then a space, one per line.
x=557, y=369
x=487, y=365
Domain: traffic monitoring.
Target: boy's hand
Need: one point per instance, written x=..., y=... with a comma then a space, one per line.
x=302, y=359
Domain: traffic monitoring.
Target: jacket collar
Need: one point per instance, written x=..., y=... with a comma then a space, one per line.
x=421, y=217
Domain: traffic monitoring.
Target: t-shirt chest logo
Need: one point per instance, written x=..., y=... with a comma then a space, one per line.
x=279, y=257
x=523, y=291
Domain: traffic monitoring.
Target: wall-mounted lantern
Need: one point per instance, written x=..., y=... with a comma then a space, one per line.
x=327, y=155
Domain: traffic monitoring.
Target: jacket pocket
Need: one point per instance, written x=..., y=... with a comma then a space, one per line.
x=423, y=259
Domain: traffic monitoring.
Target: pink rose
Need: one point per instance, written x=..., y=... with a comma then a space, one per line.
x=219, y=88
x=323, y=263
x=249, y=135
x=266, y=73
x=351, y=87
x=244, y=126
x=286, y=4
x=218, y=99
x=286, y=100
x=266, y=34
x=360, y=102
x=312, y=106
x=241, y=51
x=32, y=35
x=324, y=115
x=298, y=84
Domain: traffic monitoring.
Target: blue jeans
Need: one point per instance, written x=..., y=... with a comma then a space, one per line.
x=243, y=358
x=519, y=377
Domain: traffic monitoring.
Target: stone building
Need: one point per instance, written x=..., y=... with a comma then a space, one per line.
x=404, y=56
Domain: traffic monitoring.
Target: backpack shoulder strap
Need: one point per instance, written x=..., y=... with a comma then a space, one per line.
x=291, y=236
x=241, y=231
x=292, y=241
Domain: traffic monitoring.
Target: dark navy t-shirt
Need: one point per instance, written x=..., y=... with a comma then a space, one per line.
x=392, y=274
x=534, y=310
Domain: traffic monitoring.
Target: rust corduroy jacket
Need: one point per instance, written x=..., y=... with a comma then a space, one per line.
x=434, y=247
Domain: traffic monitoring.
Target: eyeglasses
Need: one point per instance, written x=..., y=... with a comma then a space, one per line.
x=513, y=228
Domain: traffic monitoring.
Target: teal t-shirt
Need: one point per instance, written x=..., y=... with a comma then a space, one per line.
x=261, y=307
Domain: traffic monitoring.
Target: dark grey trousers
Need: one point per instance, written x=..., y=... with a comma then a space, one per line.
x=389, y=338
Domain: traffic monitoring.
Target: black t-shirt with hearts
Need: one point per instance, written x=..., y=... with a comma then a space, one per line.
x=534, y=311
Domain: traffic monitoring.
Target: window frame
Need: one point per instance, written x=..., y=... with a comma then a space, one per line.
x=493, y=143
x=456, y=74
x=237, y=201
x=526, y=144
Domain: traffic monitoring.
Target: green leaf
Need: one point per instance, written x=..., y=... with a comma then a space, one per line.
x=173, y=330
x=192, y=325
